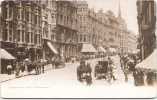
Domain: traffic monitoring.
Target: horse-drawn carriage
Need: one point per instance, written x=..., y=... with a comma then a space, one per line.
x=84, y=73
x=101, y=69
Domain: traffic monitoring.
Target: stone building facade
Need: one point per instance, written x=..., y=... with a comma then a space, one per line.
x=49, y=28
x=101, y=28
x=67, y=28
x=146, y=24
x=21, y=28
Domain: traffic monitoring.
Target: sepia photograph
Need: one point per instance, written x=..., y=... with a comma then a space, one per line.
x=78, y=49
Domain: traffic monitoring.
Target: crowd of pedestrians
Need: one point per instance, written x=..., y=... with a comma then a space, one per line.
x=141, y=76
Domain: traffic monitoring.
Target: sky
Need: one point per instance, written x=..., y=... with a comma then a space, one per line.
x=128, y=10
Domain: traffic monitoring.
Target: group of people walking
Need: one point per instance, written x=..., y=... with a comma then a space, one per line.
x=128, y=64
x=19, y=67
x=140, y=75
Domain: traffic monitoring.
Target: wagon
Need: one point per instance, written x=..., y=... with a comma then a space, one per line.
x=101, y=69
x=84, y=74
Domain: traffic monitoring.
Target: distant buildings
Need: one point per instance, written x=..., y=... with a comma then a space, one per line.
x=103, y=29
x=146, y=24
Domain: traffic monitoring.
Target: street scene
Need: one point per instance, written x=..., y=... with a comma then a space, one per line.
x=78, y=49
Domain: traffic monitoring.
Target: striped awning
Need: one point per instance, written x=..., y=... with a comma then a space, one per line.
x=5, y=55
x=52, y=47
x=149, y=62
x=88, y=48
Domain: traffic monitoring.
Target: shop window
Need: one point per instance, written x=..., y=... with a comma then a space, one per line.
x=5, y=35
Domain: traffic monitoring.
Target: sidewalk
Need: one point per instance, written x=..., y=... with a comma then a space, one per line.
x=6, y=77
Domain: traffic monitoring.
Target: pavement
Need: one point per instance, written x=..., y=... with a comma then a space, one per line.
x=6, y=77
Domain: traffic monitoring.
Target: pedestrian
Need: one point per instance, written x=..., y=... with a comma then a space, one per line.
x=43, y=67
x=17, y=70
x=111, y=68
x=22, y=66
x=125, y=75
x=9, y=68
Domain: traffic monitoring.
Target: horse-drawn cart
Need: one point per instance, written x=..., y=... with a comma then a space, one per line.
x=101, y=69
x=84, y=73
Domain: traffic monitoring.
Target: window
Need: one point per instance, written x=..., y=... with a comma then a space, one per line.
x=84, y=38
x=5, y=34
x=80, y=38
x=35, y=19
x=27, y=16
x=27, y=37
x=10, y=35
x=23, y=36
x=32, y=37
x=10, y=12
x=35, y=39
x=18, y=35
x=5, y=12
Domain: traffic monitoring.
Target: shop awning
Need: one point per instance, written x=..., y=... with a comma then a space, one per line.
x=135, y=51
x=101, y=49
x=52, y=47
x=112, y=50
x=5, y=55
x=150, y=62
x=88, y=48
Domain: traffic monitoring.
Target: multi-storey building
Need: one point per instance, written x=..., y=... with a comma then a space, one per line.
x=82, y=12
x=123, y=34
x=146, y=23
x=21, y=29
x=49, y=28
x=113, y=31
x=98, y=28
x=67, y=28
